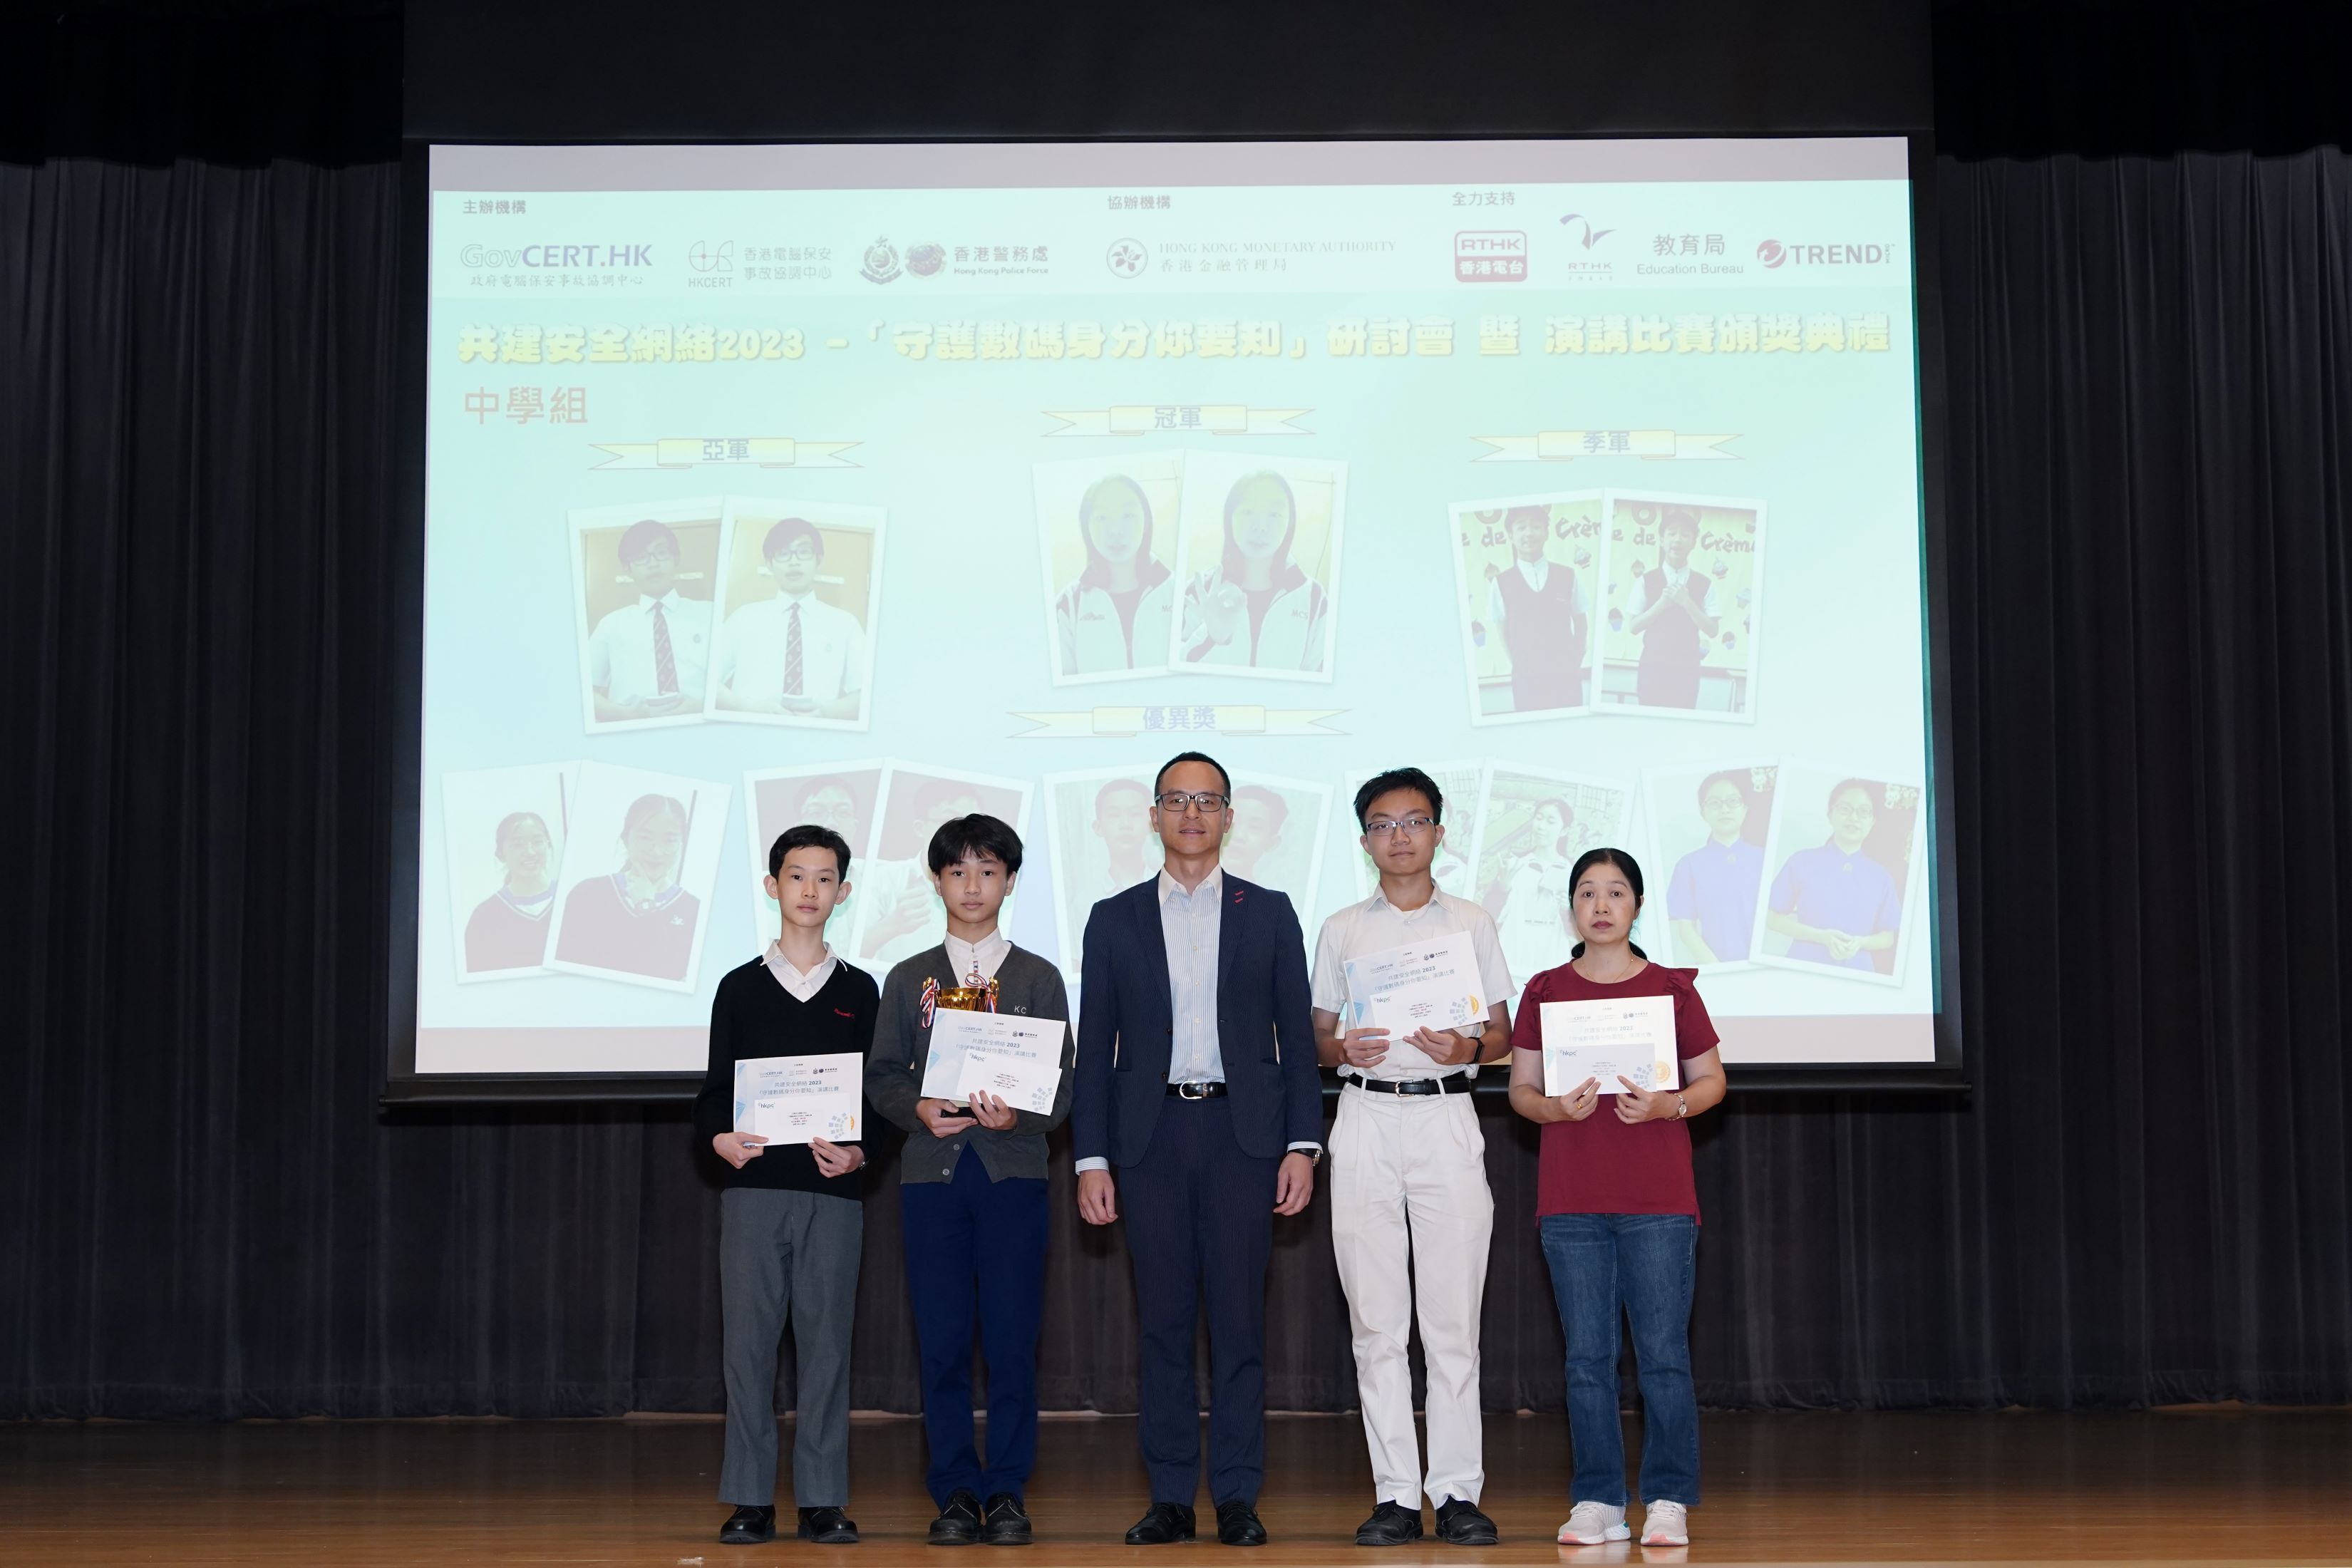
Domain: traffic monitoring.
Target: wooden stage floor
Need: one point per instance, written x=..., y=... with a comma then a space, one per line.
x=2204, y=1486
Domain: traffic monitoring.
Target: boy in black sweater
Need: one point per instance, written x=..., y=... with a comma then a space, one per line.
x=791, y=1218
x=973, y=1188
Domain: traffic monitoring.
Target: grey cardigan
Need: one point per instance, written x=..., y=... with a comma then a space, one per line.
x=1026, y=984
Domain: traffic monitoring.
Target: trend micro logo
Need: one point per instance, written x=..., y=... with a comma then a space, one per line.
x=880, y=262
x=1772, y=254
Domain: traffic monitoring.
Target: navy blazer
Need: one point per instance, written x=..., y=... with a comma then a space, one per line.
x=1265, y=1032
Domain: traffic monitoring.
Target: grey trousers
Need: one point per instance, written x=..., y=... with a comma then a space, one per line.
x=784, y=1255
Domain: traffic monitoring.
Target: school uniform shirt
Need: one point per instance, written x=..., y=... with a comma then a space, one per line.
x=621, y=650
x=756, y=1013
x=1537, y=576
x=1702, y=590
x=507, y=932
x=1715, y=885
x=1602, y=1165
x=1828, y=887
x=754, y=649
x=1377, y=925
x=1281, y=628
x=1099, y=630
x=1536, y=891
x=605, y=928
x=801, y=985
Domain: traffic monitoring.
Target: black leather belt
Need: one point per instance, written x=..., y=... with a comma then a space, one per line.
x=1452, y=1083
x=1203, y=1090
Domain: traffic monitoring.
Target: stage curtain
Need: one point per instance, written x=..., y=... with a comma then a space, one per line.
x=2145, y=1199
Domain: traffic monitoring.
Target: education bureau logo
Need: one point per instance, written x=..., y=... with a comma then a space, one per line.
x=1127, y=257
x=1772, y=254
x=880, y=262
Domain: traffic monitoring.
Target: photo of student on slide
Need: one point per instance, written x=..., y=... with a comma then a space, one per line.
x=509, y=929
x=1115, y=616
x=649, y=659
x=901, y=914
x=1837, y=903
x=1711, y=903
x=1673, y=610
x=1257, y=607
x=1545, y=620
x=793, y=654
x=639, y=920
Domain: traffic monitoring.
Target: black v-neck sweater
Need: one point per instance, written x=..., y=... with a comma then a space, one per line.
x=753, y=1017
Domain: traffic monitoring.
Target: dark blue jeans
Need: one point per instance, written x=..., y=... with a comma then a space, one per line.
x=976, y=1258
x=1641, y=1264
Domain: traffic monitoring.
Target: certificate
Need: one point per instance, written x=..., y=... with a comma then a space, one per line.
x=1631, y=1037
x=791, y=1100
x=1429, y=985
x=1026, y=1050
x=1017, y=1061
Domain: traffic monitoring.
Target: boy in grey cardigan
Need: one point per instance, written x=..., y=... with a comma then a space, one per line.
x=972, y=1189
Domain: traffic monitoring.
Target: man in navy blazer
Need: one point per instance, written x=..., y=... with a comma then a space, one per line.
x=1197, y=1080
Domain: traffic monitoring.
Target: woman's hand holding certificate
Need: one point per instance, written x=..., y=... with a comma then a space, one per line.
x=1622, y=1044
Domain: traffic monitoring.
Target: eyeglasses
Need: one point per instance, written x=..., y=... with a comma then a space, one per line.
x=1414, y=825
x=1846, y=812
x=796, y=554
x=1208, y=803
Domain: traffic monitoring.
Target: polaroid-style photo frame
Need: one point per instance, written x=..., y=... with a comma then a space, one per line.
x=1542, y=553
x=637, y=876
x=1107, y=531
x=1532, y=825
x=844, y=796
x=1811, y=878
x=827, y=564
x=1707, y=831
x=898, y=910
x=1671, y=666
x=1284, y=516
x=1278, y=838
x=504, y=830
x=621, y=683
x=1098, y=833
x=1456, y=869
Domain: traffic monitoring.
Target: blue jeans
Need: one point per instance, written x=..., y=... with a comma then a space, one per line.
x=1642, y=1263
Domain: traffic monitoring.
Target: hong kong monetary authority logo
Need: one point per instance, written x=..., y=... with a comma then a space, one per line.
x=881, y=262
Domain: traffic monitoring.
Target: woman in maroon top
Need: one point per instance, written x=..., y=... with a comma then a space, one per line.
x=1618, y=1214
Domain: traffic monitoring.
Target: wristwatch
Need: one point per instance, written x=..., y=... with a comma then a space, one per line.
x=1682, y=1108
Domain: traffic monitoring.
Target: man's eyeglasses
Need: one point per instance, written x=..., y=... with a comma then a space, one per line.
x=1414, y=826
x=796, y=554
x=1208, y=803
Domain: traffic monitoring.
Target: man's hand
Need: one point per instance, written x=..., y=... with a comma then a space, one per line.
x=991, y=1111
x=943, y=1118
x=1294, y=1184
x=1445, y=1047
x=1097, y=1198
x=737, y=1149
x=835, y=1159
x=1364, y=1048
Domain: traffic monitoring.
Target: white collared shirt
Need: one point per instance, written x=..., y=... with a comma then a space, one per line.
x=1376, y=925
x=1536, y=575
x=621, y=649
x=1702, y=590
x=803, y=988
x=752, y=647
x=987, y=955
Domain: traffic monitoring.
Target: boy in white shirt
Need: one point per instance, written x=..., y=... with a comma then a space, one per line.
x=1408, y=1173
x=794, y=655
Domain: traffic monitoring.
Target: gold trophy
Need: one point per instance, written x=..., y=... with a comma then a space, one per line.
x=974, y=995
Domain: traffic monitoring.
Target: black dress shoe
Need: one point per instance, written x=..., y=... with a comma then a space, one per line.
x=828, y=1527
x=1391, y=1524
x=1460, y=1523
x=1008, y=1522
x=748, y=1526
x=959, y=1521
x=1237, y=1524
x=1161, y=1523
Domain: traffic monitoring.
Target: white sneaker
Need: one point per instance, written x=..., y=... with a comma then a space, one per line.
x=1665, y=1524
x=1591, y=1523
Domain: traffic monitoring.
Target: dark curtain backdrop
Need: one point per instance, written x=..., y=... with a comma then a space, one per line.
x=2145, y=1199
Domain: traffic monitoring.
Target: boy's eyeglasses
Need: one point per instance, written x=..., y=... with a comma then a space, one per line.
x=1208, y=803
x=1412, y=826
x=796, y=555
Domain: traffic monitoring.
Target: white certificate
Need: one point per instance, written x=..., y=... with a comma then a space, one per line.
x=791, y=1100
x=1429, y=985
x=1001, y=1039
x=1631, y=1037
x=1018, y=1060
